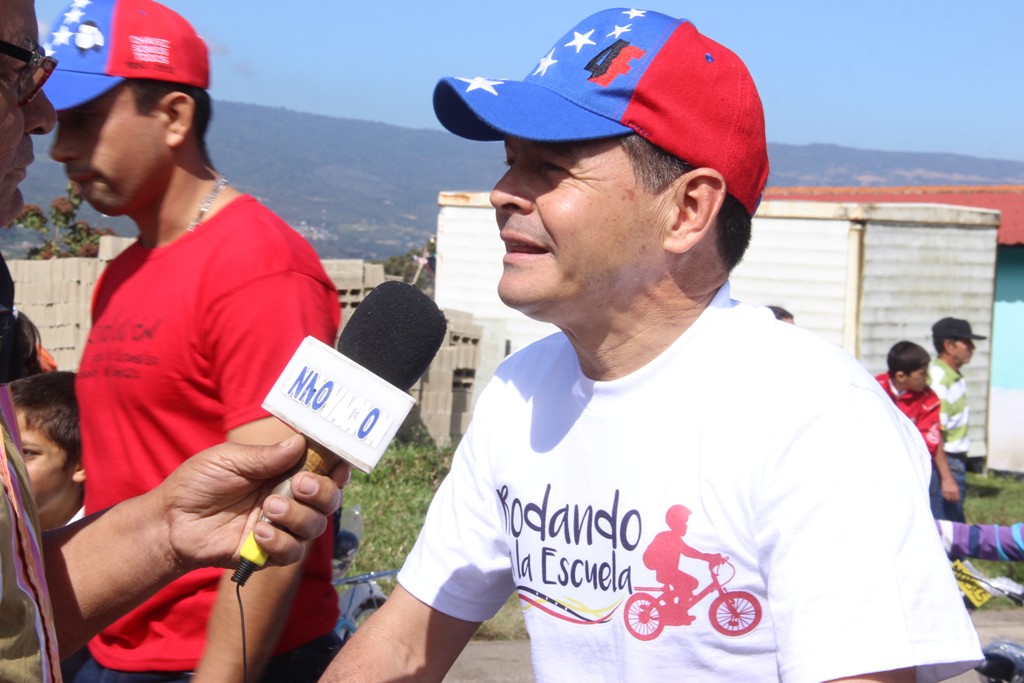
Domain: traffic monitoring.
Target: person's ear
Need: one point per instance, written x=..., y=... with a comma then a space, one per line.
x=78, y=476
x=695, y=199
x=178, y=110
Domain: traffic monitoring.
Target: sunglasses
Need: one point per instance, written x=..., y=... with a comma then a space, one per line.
x=33, y=74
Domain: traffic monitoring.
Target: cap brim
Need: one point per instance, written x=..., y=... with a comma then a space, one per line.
x=67, y=89
x=522, y=110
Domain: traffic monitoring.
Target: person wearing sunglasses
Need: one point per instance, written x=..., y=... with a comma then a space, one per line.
x=60, y=588
x=26, y=68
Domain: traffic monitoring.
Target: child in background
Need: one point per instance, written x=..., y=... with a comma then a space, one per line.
x=906, y=382
x=34, y=358
x=47, y=414
x=782, y=314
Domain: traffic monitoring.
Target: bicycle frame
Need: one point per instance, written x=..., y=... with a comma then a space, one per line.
x=650, y=609
x=361, y=594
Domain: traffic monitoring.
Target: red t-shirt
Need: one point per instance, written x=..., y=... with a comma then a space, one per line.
x=186, y=341
x=922, y=407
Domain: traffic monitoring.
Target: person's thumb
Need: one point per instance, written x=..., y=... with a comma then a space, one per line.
x=270, y=462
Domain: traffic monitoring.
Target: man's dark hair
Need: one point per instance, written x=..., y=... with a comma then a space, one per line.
x=780, y=313
x=148, y=92
x=28, y=346
x=907, y=357
x=940, y=343
x=47, y=404
x=655, y=169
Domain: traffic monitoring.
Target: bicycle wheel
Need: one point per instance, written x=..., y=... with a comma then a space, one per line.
x=735, y=613
x=643, y=617
x=360, y=614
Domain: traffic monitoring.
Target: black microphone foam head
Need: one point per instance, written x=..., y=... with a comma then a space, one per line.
x=394, y=333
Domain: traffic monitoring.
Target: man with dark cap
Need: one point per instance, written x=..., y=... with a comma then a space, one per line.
x=954, y=346
x=636, y=158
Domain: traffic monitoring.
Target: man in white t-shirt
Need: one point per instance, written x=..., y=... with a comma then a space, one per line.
x=637, y=156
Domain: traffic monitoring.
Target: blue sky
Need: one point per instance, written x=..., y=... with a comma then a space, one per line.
x=900, y=75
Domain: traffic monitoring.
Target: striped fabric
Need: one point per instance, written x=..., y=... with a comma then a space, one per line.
x=28, y=650
x=983, y=541
x=952, y=391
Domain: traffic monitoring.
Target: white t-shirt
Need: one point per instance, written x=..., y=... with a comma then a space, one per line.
x=793, y=464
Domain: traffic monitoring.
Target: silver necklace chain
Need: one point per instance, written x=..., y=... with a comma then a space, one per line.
x=208, y=200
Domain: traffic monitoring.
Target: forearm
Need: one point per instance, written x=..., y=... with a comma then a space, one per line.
x=267, y=599
x=404, y=641
x=93, y=581
x=942, y=464
x=982, y=541
x=105, y=565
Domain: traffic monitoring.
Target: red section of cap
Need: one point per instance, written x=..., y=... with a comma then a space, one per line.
x=149, y=40
x=698, y=102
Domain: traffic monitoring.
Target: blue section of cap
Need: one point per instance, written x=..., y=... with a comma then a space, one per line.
x=67, y=89
x=578, y=90
x=520, y=109
x=80, y=39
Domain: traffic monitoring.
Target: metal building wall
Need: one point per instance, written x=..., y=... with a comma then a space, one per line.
x=863, y=276
x=469, y=257
x=917, y=273
x=800, y=264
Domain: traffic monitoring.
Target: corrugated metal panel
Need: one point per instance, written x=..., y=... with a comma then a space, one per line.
x=800, y=265
x=915, y=274
x=863, y=276
x=1007, y=199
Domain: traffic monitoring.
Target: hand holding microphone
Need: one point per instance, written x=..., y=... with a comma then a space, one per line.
x=350, y=403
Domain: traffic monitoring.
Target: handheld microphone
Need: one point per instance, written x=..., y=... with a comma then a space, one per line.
x=350, y=403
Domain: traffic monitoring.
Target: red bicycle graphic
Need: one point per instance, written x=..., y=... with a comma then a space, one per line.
x=732, y=613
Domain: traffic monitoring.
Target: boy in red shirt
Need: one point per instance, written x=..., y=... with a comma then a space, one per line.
x=906, y=382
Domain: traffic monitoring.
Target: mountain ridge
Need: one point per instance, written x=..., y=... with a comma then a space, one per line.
x=365, y=189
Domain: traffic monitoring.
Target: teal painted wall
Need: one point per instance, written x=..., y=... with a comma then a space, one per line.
x=1008, y=319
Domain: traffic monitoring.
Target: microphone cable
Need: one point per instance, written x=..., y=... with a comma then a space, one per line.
x=241, y=614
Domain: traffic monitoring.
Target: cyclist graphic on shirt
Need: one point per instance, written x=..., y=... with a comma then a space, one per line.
x=663, y=554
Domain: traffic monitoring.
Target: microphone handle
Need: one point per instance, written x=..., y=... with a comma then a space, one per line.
x=319, y=460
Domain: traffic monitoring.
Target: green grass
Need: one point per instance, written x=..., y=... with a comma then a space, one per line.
x=394, y=499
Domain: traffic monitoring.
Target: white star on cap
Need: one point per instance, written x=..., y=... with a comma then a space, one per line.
x=619, y=30
x=542, y=68
x=63, y=36
x=74, y=16
x=81, y=4
x=634, y=13
x=481, y=83
x=580, y=40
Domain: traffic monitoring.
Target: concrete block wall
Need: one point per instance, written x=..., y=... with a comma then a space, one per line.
x=445, y=392
x=56, y=295
x=354, y=279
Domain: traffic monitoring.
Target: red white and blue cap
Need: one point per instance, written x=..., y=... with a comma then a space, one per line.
x=100, y=43
x=624, y=71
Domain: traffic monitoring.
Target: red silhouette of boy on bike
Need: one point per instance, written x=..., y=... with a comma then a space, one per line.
x=662, y=555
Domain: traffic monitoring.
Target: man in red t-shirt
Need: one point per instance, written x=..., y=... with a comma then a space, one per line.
x=906, y=382
x=191, y=325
